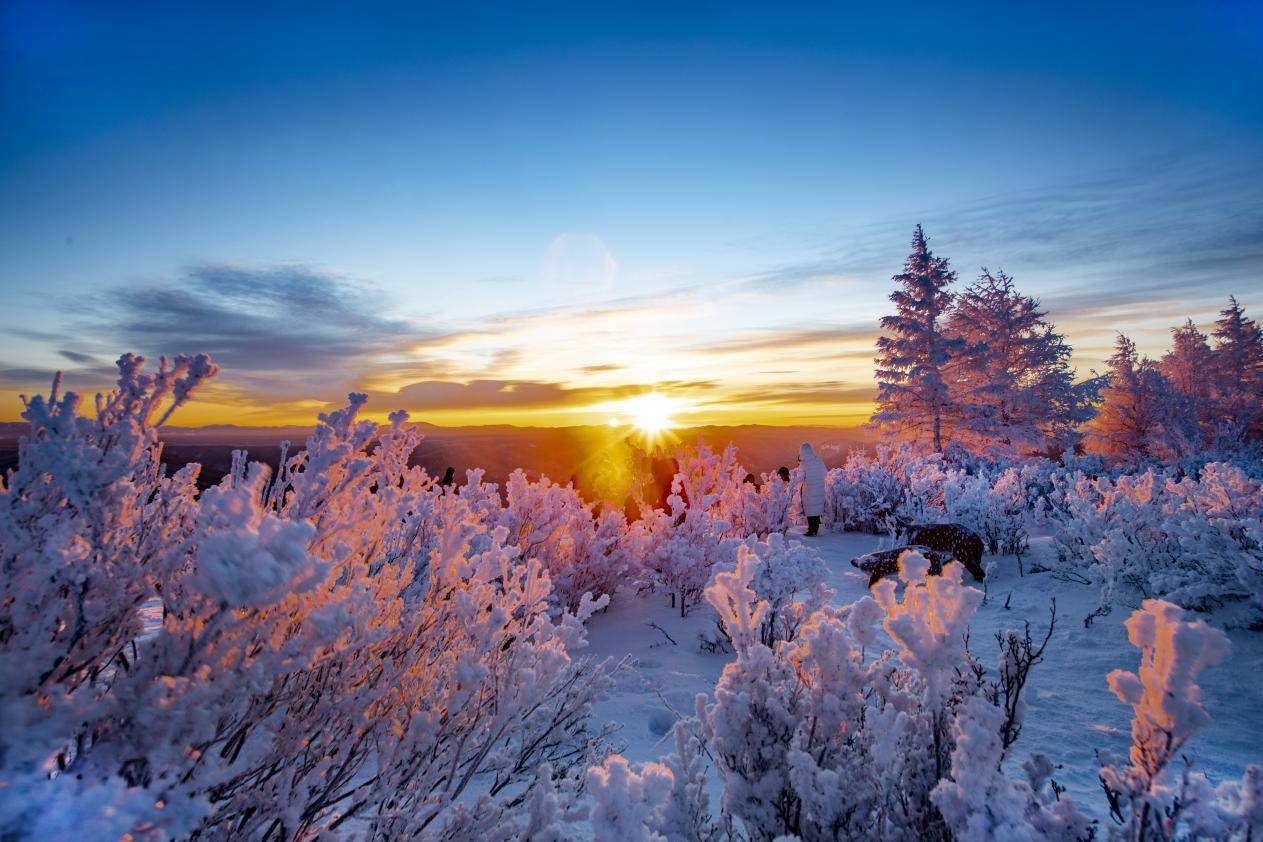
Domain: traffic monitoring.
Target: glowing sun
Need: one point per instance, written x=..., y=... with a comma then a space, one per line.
x=651, y=413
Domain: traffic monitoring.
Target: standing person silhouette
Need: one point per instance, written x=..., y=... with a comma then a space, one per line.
x=812, y=488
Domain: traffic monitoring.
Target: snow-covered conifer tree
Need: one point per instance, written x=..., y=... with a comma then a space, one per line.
x=1238, y=359
x=1189, y=366
x=1140, y=416
x=1120, y=426
x=912, y=393
x=1010, y=380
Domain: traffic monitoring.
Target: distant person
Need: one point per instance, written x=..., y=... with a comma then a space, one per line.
x=783, y=473
x=750, y=480
x=449, y=477
x=813, y=487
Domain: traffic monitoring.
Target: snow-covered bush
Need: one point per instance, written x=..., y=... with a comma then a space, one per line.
x=790, y=580
x=814, y=740
x=679, y=552
x=679, y=548
x=627, y=803
x=810, y=737
x=85, y=522
x=715, y=484
x=777, y=504
x=996, y=507
x=483, y=498
x=331, y=651
x=757, y=508
x=583, y=553
x=869, y=492
x=978, y=801
x=1149, y=797
x=1193, y=541
x=1217, y=521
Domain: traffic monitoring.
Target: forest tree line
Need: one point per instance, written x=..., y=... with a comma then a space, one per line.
x=984, y=370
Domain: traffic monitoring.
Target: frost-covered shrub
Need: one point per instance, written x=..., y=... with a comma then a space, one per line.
x=1007, y=527
x=1217, y=520
x=813, y=739
x=86, y=523
x=483, y=498
x=331, y=652
x=1149, y=797
x=679, y=548
x=714, y=483
x=810, y=738
x=1193, y=541
x=869, y=492
x=680, y=554
x=789, y=579
x=627, y=802
x=756, y=508
x=655, y=802
x=777, y=504
x=996, y=507
x=978, y=801
x=583, y=553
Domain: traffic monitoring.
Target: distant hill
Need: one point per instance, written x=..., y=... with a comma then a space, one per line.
x=561, y=453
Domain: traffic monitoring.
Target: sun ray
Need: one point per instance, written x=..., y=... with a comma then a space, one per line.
x=653, y=417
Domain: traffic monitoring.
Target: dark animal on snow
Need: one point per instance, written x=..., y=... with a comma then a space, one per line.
x=886, y=562
x=960, y=541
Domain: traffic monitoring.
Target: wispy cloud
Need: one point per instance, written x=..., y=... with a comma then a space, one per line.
x=283, y=319
x=828, y=392
x=1176, y=222
x=526, y=394
x=81, y=378
x=790, y=339
x=496, y=394
x=77, y=357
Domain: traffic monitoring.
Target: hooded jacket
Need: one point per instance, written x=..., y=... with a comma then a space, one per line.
x=813, y=481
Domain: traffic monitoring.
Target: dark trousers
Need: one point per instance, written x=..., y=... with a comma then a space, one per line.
x=813, y=524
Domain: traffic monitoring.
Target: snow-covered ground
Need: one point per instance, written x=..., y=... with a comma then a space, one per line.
x=1071, y=711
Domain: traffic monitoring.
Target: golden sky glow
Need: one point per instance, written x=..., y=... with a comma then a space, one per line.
x=657, y=361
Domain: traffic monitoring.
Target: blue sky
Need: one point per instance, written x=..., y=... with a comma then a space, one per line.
x=530, y=212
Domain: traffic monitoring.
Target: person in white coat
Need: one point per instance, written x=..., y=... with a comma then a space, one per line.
x=812, y=487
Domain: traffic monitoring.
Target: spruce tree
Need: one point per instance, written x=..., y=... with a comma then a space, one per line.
x=1238, y=358
x=912, y=394
x=1189, y=366
x=1011, y=384
x=1121, y=424
x=1141, y=416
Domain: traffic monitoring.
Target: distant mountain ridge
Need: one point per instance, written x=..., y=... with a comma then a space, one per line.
x=561, y=453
